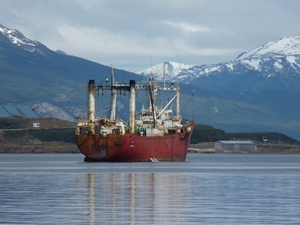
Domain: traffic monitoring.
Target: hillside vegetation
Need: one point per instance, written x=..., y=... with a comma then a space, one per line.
x=18, y=135
x=205, y=133
x=55, y=136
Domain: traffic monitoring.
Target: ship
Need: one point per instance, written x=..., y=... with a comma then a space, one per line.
x=153, y=134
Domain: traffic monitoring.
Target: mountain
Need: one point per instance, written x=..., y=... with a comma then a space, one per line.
x=234, y=96
x=259, y=90
x=272, y=66
x=17, y=38
x=173, y=71
x=31, y=73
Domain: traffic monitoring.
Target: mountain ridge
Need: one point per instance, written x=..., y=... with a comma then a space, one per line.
x=40, y=76
x=267, y=64
x=239, y=101
x=284, y=46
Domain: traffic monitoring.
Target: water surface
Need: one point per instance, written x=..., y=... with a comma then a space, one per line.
x=206, y=189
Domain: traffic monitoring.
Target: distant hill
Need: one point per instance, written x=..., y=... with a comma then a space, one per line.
x=31, y=73
x=268, y=137
x=258, y=91
x=273, y=66
x=204, y=133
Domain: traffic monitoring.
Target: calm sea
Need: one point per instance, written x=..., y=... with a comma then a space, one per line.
x=206, y=189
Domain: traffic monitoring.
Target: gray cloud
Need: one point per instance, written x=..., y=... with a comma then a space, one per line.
x=136, y=34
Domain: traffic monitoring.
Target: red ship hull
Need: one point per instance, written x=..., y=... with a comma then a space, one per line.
x=134, y=148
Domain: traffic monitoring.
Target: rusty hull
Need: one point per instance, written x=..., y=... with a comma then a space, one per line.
x=133, y=147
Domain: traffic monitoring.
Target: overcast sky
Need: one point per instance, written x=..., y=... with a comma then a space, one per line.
x=137, y=34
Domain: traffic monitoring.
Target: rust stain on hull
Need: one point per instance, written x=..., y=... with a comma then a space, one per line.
x=133, y=147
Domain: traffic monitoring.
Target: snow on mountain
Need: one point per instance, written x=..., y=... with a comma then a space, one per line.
x=277, y=56
x=286, y=46
x=20, y=40
x=173, y=70
x=268, y=60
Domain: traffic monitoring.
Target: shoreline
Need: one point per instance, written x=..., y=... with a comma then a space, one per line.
x=52, y=147
x=269, y=151
x=74, y=150
x=201, y=148
x=261, y=148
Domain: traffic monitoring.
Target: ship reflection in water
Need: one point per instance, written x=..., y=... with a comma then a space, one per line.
x=206, y=189
x=128, y=198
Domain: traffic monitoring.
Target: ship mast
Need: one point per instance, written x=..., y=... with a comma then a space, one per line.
x=152, y=99
x=132, y=103
x=164, y=75
x=91, y=111
x=177, y=89
x=114, y=96
x=178, y=101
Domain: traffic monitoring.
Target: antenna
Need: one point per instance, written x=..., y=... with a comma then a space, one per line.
x=112, y=75
x=191, y=94
x=164, y=75
x=178, y=71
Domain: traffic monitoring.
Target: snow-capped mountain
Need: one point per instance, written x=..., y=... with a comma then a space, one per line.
x=173, y=70
x=20, y=40
x=272, y=66
x=285, y=46
x=31, y=73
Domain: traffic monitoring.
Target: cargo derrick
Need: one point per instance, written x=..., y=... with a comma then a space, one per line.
x=156, y=135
